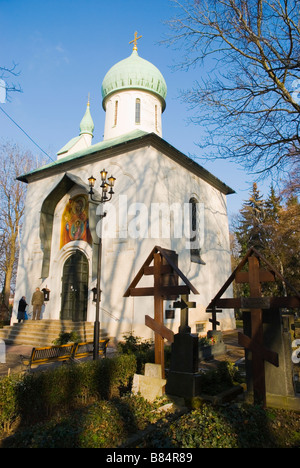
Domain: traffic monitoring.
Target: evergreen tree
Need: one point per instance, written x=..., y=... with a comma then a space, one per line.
x=272, y=206
x=272, y=250
x=272, y=226
x=249, y=231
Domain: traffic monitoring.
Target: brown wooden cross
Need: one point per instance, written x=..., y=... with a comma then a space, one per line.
x=256, y=303
x=166, y=273
x=256, y=343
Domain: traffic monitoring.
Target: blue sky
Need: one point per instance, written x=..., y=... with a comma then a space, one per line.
x=64, y=49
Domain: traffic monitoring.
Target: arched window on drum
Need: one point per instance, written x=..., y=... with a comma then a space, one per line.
x=137, y=111
x=195, y=230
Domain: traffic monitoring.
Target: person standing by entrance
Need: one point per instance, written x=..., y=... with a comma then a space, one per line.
x=22, y=309
x=37, y=301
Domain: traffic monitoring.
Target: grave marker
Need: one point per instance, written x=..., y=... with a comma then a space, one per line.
x=254, y=341
x=166, y=276
x=2, y=352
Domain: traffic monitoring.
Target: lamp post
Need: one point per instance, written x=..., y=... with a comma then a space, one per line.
x=106, y=186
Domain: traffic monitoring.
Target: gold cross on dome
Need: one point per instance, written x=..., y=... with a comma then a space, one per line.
x=134, y=42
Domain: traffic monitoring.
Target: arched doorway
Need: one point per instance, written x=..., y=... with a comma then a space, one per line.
x=75, y=288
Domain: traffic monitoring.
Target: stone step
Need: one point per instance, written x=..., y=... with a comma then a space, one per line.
x=54, y=324
x=37, y=339
x=44, y=332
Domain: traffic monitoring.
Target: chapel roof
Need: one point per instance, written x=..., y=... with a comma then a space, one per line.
x=127, y=142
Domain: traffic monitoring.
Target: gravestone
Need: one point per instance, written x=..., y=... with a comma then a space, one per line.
x=279, y=381
x=265, y=339
x=183, y=377
x=153, y=370
x=218, y=348
x=150, y=385
x=2, y=352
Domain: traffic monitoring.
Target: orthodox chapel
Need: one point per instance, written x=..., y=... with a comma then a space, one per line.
x=157, y=197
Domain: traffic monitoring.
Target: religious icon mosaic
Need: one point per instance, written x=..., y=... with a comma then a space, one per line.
x=75, y=221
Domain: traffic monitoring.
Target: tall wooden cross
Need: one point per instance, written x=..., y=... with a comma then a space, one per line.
x=134, y=42
x=165, y=273
x=256, y=343
x=256, y=303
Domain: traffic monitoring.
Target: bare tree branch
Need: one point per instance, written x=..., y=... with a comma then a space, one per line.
x=5, y=75
x=13, y=162
x=248, y=99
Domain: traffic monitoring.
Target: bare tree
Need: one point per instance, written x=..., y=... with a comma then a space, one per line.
x=6, y=86
x=249, y=96
x=13, y=162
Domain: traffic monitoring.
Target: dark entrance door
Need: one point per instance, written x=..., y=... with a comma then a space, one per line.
x=75, y=288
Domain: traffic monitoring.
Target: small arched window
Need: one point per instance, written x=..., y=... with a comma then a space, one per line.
x=156, y=121
x=137, y=111
x=195, y=250
x=116, y=113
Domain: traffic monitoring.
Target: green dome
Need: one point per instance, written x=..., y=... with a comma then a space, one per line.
x=134, y=72
x=87, y=124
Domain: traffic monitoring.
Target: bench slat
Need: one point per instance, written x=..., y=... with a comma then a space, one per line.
x=54, y=352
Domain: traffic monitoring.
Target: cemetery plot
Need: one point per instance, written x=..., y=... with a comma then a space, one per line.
x=264, y=327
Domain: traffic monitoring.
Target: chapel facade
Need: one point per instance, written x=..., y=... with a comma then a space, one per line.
x=161, y=198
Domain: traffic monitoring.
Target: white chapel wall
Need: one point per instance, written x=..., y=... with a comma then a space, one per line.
x=142, y=176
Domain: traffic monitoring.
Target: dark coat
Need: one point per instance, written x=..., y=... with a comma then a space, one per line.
x=21, y=309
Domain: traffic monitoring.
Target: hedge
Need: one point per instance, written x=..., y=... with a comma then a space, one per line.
x=36, y=396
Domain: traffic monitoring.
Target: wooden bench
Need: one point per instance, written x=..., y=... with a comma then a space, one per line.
x=48, y=354
x=63, y=353
x=87, y=348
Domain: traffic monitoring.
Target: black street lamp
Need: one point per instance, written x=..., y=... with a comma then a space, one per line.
x=106, y=195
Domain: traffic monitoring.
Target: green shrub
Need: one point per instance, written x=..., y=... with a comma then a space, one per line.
x=220, y=379
x=38, y=395
x=133, y=344
x=66, y=337
x=9, y=408
x=141, y=349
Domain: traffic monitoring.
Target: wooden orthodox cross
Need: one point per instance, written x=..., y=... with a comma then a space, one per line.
x=256, y=303
x=213, y=311
x=256, y=343
x=166, y=274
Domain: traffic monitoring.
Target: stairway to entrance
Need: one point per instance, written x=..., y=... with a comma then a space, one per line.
x=43, y=332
